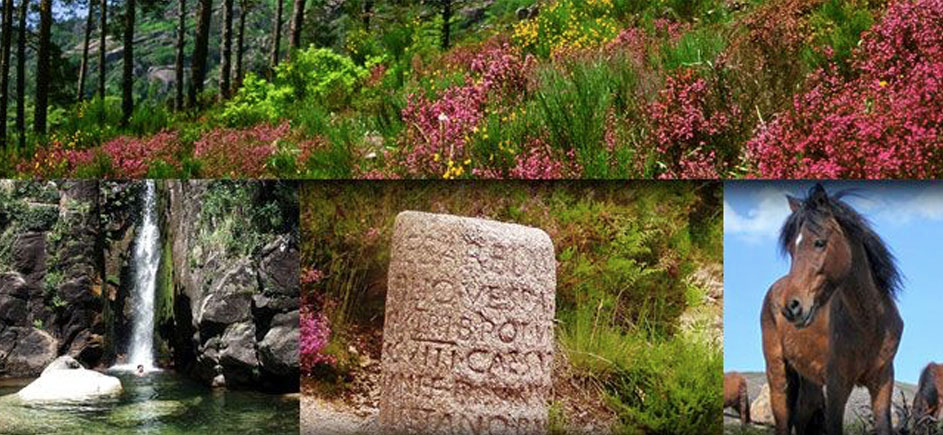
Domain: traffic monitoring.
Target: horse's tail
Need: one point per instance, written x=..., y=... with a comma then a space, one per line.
x=744, y=402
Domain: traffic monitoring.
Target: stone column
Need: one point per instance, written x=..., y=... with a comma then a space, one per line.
x=468, y=334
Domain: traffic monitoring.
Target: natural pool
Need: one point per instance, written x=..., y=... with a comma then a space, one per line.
x=157, y=403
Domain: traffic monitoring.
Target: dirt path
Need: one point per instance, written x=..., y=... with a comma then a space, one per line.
x=321, y=417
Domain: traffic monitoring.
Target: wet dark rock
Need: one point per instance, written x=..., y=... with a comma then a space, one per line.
x=238, y=356
x=29, y=254
x=30, y=350
x=279, y=350
x=280, y=269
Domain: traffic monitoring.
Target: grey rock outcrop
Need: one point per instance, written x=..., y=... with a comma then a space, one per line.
x=237, y=315
x=51, y=300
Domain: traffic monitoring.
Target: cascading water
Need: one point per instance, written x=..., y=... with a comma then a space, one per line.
x=146, y=261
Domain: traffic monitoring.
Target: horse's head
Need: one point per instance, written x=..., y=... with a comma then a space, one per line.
x=821, y=255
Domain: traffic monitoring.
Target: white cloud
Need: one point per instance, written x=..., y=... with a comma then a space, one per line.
x=760, y=223
x=765, y=210
x=927, y=204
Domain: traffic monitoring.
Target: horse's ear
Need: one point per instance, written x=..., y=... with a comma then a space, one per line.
x=818, y=196
x=794, y=203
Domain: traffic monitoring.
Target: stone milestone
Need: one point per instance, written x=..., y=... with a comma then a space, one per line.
x=468, y=333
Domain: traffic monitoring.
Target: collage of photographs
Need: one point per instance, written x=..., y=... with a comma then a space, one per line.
x=357, y=217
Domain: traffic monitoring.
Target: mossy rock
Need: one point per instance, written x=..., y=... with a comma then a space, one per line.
x=39, y=218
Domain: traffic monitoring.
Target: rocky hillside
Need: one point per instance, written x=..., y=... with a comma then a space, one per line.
x=227, y=302
x=51, y=299
x=235, y=282
x=857, y=410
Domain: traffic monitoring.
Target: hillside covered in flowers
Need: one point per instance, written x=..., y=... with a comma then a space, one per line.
x=548, y=89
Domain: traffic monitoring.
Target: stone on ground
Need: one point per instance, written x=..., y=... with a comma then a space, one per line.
x=66, y=380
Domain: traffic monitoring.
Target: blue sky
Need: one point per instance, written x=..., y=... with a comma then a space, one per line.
x=908, y=215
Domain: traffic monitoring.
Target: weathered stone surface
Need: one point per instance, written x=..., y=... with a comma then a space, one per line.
x=280, y=269
x=760, y=410
x=29, y=254
x=238, y=355
x=468, y=334
x=66, y=380
x=279, y=350
x=31, y=350
x=13, y=299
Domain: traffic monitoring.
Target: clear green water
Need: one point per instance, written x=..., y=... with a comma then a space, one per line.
x=158, y=403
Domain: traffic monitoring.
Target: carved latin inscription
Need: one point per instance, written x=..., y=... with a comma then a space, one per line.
x=468, y=338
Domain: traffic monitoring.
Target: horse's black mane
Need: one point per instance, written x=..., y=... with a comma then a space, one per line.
x=818, y=206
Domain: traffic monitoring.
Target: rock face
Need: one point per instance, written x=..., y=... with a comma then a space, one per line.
x=51, y=300
x=760, y=410
x=66, y=380
x=236, y=313
x=468, y=333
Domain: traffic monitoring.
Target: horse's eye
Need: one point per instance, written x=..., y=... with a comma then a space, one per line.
x=820, y=243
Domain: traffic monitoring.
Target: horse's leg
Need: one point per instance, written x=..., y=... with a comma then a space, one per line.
x=778, y=392
x=811, y=403
x=837, y=391
x=882, y=392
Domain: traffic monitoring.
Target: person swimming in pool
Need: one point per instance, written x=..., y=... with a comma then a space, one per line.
x=140, y=370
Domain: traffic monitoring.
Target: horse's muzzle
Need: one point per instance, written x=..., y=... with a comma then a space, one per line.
x=795, y=314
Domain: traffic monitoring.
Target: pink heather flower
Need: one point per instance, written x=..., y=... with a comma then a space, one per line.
x=438, y=129
x=692, y=127
x=131, y=157
x=315, y=335
x=239, y=153
x=311, y=276
x=886, y=121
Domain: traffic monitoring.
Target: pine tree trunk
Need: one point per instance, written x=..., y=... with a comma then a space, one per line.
x=5, y=41
x=297, y=21
x=83, y=68
x=367, y=14
x=42, y=67
x=277, y=34
x=178, y=61
x=127, y=82
x=446, y=24
x=225, y=51
x=240, y=38
x=21, y=75
x=200, y=51
x=102, y=50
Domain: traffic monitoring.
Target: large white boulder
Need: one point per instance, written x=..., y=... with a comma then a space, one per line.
x=66, y=380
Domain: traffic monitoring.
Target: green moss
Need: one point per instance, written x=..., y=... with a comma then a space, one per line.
x=164, y=305
x=557, y=421
x=39, y=218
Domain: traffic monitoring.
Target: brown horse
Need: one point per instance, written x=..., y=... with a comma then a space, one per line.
x=928, y=401
x=832, y=320
x=736, y=395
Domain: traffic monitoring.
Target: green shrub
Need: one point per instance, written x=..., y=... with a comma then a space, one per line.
x=257, y=101
x=670, y=387
x=837, y=24
x=695, y=48
x=573, y=106
x=321, y=74
x=39, y=218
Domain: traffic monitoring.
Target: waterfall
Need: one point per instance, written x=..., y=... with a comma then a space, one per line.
x=146, y=261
